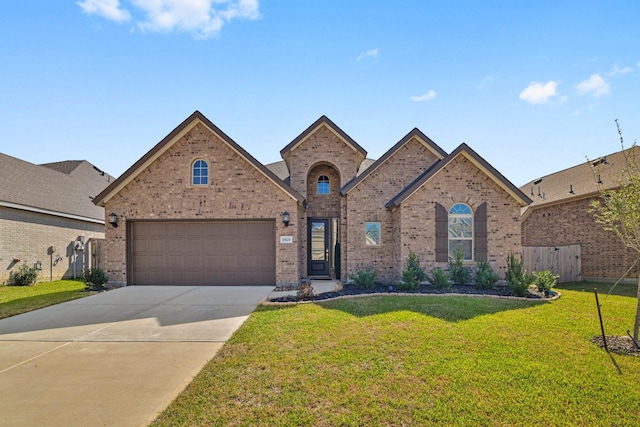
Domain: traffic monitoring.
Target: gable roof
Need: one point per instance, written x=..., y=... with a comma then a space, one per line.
x=60, y=191
x=578, y=182
x=415, y=133
x=173, y=137
x=323, y=121
x=462, y=150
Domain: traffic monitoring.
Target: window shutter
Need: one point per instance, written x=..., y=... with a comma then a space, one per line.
x=442, y=234
x=480, y=232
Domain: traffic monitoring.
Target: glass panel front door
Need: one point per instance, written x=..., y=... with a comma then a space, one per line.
x=318, y=233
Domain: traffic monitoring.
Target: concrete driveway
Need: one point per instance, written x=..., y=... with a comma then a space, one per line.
x=116, y=358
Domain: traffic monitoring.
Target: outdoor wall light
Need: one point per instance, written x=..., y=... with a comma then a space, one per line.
x=113, y=219
x=285, y=218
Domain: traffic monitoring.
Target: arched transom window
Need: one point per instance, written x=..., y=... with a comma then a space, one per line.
x=323, y=185
x=200, y=175
x=461, y=231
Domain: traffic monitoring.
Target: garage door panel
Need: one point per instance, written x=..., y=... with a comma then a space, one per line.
x=203, y=253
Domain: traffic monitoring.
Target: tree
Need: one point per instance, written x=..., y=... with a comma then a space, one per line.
x=618, y=210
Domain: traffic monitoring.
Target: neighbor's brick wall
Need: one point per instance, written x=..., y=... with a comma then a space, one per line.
x=365, y=203
x=602, y=253
x=27, y=236
x=236, y=190
x=460, y=181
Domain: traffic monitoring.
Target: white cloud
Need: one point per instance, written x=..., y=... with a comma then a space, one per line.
x=594, y=85
x=539, y=93
x=371, y=53
x=204, y=18
x=109, y=9
x=615, y=70
x=426, y=97
x=485, y=82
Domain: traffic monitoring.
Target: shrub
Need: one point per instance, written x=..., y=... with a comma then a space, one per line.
x=439, y=278
x=24, y=276
x=486, y=278
x=94, y=279
x=517, y=277
x=305, y=291
x=413, y=274
x=364, y=276
x=544, y=280
x=460, y=274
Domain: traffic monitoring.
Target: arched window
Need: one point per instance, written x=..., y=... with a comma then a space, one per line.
x=200, y=175
x=461, y=231
x=323, y=185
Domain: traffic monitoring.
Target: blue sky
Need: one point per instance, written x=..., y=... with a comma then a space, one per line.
x=533, y=87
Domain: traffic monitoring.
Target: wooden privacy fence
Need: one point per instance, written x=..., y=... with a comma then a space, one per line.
x=562, y=260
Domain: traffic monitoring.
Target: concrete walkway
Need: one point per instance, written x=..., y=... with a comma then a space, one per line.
x=117, y=358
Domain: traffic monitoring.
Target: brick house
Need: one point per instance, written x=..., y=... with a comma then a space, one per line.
x=47, y=217
x=559, y=216
x=199, y=209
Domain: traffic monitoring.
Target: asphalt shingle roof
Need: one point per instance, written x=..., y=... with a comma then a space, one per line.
x=62, y=187
x=580, y=181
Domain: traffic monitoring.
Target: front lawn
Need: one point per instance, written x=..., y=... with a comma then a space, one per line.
x=419, y=360
x=20, y=299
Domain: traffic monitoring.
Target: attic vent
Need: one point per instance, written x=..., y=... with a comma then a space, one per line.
x=600, y=161
x=536, y=182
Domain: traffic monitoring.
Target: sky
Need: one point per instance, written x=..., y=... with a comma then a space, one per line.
x=533, y=87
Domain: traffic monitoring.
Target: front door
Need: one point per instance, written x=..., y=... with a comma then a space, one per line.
x=318, y=253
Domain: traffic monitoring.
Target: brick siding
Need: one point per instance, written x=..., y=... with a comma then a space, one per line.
x=602, y=253
x=459, y=182
x=321, y=153
x=31, y=234
x=366, y=203
x=236, y=190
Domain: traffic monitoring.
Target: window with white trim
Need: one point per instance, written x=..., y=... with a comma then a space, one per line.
x=200, y=173
x=461, y=231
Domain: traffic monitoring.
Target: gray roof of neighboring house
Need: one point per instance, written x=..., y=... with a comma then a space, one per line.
x=578, y=182
x=62, y=188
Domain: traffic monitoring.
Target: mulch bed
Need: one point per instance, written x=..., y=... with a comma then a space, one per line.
x=351, y=289
x=622, y=345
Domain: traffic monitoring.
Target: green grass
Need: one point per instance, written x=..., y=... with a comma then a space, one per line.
x=380, y=361
x=20, y=299
x=624, y=290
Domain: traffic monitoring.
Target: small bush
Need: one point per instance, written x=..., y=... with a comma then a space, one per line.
x=460, y=274
x=94, y=279
x=413, y=274
x=25, y=276
x=517, y=277
x=364, y=276
x=305, y=291
x=486, y=278
x=439, y=278
x=544, y=280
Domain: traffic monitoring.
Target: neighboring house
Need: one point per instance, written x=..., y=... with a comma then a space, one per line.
x=559, y=216
x=47, y=215
x=198, y=209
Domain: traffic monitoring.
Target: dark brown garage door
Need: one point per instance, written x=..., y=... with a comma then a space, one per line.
x=202, y=253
